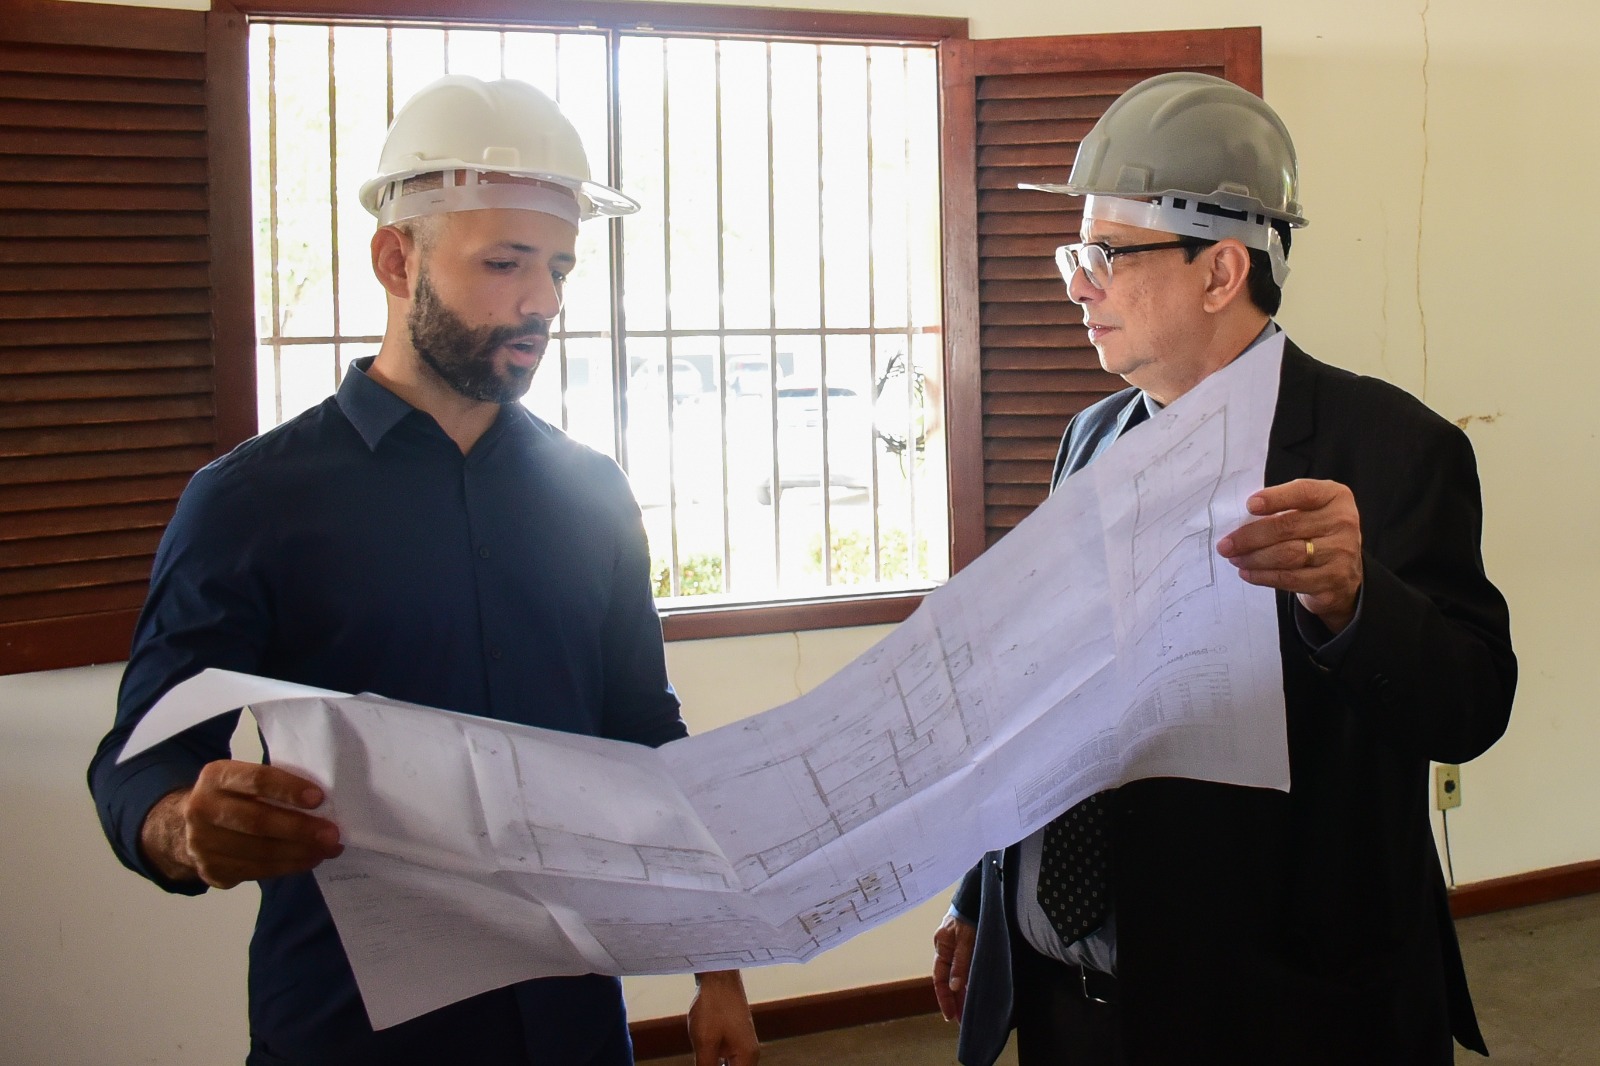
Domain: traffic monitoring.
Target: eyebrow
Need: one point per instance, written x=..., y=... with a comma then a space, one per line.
x=528, y=249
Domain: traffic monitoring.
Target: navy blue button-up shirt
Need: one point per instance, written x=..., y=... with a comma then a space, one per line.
x=355, y=548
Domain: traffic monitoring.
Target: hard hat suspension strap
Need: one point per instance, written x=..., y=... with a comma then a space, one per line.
x=463, y=191
x=1189, y=217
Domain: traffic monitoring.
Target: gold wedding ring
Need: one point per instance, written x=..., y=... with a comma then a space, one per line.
x=1311, y=554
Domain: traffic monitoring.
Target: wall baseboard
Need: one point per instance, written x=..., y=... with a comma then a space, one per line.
x=659, y=1038
x=1524, y=890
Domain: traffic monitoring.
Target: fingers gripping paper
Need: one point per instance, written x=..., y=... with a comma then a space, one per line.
x=1100, y=641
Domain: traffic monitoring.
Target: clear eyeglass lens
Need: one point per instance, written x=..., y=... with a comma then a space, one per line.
x=1091, y=258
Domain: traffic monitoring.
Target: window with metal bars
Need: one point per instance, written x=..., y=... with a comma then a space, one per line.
x=759, y=348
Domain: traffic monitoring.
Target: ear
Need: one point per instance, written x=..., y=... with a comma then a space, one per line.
x=1229, y=277
x=395, y=261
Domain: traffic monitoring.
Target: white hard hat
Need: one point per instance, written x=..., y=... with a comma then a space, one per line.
x=461, y=128
x=1191, y=154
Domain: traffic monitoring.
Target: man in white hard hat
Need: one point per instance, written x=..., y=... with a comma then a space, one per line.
x=1176, y=921
x=421, y=535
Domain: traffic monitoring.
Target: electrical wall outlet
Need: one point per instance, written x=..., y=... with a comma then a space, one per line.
x=1446, y=786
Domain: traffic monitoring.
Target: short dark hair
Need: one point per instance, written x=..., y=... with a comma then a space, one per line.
x=1265, y=293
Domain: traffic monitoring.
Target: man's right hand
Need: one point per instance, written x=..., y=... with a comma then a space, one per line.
x=952, y=960
x=240, y=821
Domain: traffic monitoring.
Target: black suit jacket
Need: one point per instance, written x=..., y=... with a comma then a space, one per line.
x=1262, y=927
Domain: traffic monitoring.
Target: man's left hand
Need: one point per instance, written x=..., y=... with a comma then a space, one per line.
x=1308, y=541
x=720, y=1027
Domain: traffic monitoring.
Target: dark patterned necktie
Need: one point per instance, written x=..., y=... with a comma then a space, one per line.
x=1074, y=888
x=1074, y=863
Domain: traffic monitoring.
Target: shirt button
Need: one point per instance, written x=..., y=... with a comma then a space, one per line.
x=483, y=553
x=494, y=653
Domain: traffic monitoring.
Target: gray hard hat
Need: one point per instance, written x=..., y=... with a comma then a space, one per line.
x=1185, y=145
x=1187, y=134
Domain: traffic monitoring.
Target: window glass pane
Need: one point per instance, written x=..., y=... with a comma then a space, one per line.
x=360, y=61
x=300, y=188
x=796, y=171
x=780, y=288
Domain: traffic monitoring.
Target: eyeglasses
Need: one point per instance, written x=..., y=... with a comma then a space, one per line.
x=1094, y=258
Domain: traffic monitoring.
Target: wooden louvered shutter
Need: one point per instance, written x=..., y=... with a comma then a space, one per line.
x=114, y=318
x=1022, y=365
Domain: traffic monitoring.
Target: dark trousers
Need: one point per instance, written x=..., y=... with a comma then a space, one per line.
x=487, y=1030
x=1059, y=1021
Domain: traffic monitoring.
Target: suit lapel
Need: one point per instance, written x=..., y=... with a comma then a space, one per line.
x=1294, y=422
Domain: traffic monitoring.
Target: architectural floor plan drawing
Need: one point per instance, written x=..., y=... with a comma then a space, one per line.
x=1172, y=540
x=876, y=747
x=1097, y=643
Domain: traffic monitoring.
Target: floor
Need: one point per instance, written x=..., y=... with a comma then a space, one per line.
x=1535, y=976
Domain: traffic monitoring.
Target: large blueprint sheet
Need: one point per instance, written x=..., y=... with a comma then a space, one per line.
x=1101, y=641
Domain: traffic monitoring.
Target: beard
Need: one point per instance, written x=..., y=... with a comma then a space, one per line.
x=462, y=355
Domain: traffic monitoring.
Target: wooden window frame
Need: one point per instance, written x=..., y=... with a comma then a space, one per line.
x=691, y=622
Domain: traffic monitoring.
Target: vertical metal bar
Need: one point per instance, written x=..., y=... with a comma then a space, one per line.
x=333, y=202
x=913, y=569
x=272, y=222
x=388, y=75
x=722, y=336
x=559, y=333
x=872, y=325
x=666, y=257
x=822, y=340
x=773, y=472
x=619, y=326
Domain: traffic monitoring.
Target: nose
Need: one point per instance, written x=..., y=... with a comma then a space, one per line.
x=543, y=297
x=1080, y=290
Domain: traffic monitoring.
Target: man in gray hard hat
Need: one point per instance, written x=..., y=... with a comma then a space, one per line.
x=422, y=535
x=1177, y=921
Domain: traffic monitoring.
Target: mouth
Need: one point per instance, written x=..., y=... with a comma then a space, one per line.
x=1097, y=331
x=526, y=351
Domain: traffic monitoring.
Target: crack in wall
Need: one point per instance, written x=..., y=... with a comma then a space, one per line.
x=1422, y=194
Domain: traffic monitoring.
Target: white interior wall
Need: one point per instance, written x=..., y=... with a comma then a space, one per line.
x=1440, y=145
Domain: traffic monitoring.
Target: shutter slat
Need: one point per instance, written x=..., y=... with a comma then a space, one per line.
x=45, y=469
x=1049, y=291
x=40, y=416
x=1019, y=449
x=91, y=115
x=102, y=278
x=34, y=556
x=37, y=580
x=20, y=307
x=65, y=497
x=57, y=523
x=117, y=437
x=1077, y=357
x=27, y=197
x=160, y=382
x=93, y=63
x=34, y=333
x=102, y=358
x=104, y=170
x=69, y=601
x=127, y=145
x=114, y=238
x=34, y=85
x=1083, y=382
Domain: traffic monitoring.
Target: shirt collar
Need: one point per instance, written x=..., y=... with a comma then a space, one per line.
x=370, y=407
x=374, y=410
